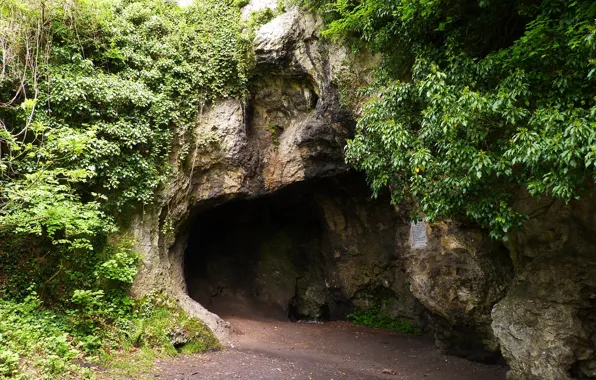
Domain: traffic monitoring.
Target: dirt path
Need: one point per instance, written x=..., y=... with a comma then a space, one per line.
x=334, y=350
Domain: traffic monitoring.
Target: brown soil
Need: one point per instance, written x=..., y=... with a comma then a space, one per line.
x=270, y=349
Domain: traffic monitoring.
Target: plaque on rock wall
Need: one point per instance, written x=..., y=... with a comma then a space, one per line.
x=418, y=234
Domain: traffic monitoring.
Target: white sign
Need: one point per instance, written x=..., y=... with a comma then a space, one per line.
x=418, y=234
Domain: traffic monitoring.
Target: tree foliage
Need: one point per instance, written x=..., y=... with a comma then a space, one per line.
x=475, y=102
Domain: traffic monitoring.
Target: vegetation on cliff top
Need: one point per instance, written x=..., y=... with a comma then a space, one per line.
x=91, y=93
x=475, y=102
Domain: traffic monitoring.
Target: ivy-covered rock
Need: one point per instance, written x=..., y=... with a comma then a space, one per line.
x=93, y=96
x=289, y=128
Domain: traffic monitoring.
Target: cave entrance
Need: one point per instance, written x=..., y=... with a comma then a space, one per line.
x=248, y=258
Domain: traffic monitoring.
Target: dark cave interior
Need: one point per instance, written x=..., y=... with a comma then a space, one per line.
x=246, y=257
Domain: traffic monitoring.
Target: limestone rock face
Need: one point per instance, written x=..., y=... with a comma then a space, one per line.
x=289, y=130
x=332, y=249
x=546, y=324
x=458, y=277
x=360, y=252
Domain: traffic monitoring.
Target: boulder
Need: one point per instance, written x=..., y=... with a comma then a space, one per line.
x=458, y=275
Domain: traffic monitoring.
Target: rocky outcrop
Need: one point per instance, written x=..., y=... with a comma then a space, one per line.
x=289, y=130
x=360, y=252
x=458, y=275
x=546, y=324
x=342, y=252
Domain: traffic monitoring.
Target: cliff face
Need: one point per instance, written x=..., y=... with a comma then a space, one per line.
x=290, y=130
x=261, y=212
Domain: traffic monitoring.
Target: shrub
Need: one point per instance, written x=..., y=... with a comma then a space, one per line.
x=377, y=316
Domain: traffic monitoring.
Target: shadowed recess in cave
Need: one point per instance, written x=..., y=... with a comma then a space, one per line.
x=247, y=258
x=314, y=250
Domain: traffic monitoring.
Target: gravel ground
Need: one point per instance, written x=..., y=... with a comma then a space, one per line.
x=268, y=349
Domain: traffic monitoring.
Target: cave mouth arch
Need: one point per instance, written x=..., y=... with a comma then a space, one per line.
x=248, y=258
x=314, y=250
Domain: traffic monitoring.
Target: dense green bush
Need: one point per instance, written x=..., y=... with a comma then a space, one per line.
x=40, y=343
x=34, y=341
x=475, y=102
x=96, y=90
x=92, y=92
x=378, y=316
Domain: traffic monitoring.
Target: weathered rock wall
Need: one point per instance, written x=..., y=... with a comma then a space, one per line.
x=361, y=253
x=292, y=129
x=546, y=324
x=459, y=276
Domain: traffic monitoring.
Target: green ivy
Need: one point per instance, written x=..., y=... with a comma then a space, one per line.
x=92, y=93
x=34, y=343
x=39, y=343
x=275, y=132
